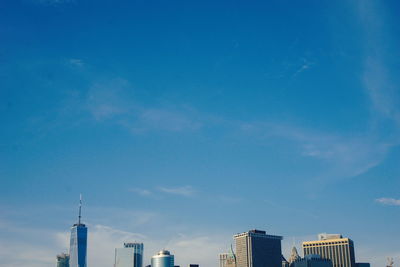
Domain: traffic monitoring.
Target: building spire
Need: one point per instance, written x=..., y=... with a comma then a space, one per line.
x=80, y=209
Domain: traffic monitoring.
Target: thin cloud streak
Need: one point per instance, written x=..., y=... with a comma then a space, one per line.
x=142, y=192
x=348, y=156
x=388, y=201
x=114, y=100
x=186, y=191
x=378, y=80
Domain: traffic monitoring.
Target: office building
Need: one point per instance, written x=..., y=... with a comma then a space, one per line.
x=257, y=249
x=131, y=255
x=162, y=259
x=311, y=261
x=333, y=247
x=63, y=260
x=78, y=242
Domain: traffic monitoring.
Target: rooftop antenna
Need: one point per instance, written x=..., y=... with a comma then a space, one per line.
x=80, y=209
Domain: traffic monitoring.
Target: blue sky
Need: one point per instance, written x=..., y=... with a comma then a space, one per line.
x=185, y=122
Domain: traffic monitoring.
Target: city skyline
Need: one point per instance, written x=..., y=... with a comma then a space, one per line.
x=183, y=122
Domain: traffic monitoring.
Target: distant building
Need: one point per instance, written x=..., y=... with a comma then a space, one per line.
x=78, y=243
x=162, y=259
x=294, y=256
x=63, y=260
x=311, y=261
x=325, y=236
x=131, y=255
x=285, y=263
x=333, y=247
x=227, y=259
x=257, y=249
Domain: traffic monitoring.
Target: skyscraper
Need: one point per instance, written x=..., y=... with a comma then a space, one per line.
x=131, y=255
x=162, y=259
x=333, y=247
x=78, y=242
x=257, y=249
x=63, y=260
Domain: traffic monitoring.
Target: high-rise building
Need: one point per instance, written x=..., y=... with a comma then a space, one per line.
x=63, y=260
x=257, y=249
x=162, y=259
x=333, y=247
x=78, y=242
x=131, y=255
x=311, y=261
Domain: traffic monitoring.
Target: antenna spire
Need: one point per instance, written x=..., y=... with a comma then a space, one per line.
x=80, y=209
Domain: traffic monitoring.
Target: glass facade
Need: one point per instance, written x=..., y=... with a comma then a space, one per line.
x=78, y=246
x=162, y=259
x=131, y=255
x=312, y=261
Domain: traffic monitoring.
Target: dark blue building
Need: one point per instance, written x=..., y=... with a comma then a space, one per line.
x=78, y=243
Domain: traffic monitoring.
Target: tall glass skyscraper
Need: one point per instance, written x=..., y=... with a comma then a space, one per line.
x=162, y=259
x=131, y=255
x=78, y=243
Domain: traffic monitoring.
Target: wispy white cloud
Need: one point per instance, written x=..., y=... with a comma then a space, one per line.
x=141, y=191
x=378, y=79
x=186, y=191
x=76, y=62
x=106, y=100
x=167, y=120
x=388, y=201
x=347, y=156
x=113, y=100
x=304, y=65
x=19, y=246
